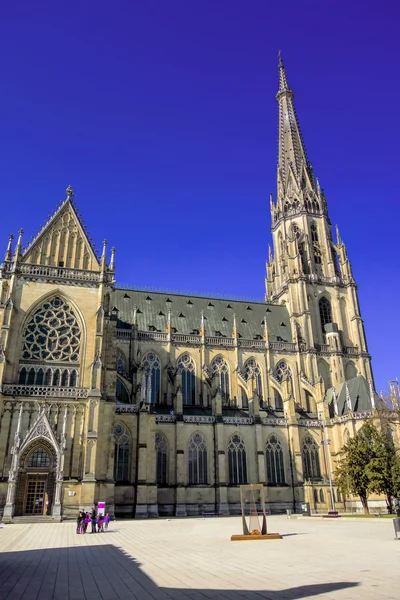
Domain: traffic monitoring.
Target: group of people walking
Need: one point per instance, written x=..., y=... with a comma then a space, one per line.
x=99, y=522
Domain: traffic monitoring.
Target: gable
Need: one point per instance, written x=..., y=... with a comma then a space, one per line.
x=63, y=242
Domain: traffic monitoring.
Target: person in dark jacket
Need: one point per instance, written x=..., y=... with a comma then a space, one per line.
x=93, y=519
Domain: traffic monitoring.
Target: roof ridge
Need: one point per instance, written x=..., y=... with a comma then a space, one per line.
x=202, y=295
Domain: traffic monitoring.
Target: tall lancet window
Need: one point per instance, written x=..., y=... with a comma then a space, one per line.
x=310, y=456
x=325, y=312
x=152, y=375
x=220, y=369
x=188, y=373
x=275, y=463
x=315, y=244
x=197, y=460
x=162, y=454
x=252, y=372
x=237, y=461
x=121, y=453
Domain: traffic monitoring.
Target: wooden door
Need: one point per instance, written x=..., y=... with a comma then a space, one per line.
x=35, y=495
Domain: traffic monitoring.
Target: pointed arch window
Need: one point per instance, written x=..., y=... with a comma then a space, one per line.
x=121, y=364
x=325, y=312
x=310, y=456
x=121, y=453
x=274, y=461
x=39, y=459
x=121, y=392
x=197, y=460
x=237, y=462
x=161, y=457
x=221, y=370
x=152, y=372
x=315, y=244
x=188, y=373
x=282, y=371
x=252, y=372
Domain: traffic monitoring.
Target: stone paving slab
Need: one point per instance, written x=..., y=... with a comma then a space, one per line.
x=194, y=559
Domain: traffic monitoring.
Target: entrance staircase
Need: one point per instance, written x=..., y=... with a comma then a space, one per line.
x=35, y=519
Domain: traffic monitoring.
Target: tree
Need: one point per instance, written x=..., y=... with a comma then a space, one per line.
x=381, y=467
x=351, y=474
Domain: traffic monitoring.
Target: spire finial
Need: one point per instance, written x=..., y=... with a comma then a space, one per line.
x=234, y=330
x=69, y=192
x=270, y=257
x=339, y=240
x=280, y=61
x=169, y=327
x=135, y=315
x=8, y=255
x=103, y=254
x=112, y=261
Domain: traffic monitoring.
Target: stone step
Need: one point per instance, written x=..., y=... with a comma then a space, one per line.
x=35, y=519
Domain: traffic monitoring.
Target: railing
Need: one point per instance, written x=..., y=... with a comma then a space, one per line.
x=237, y=420
x=181, y=338
x=282, y=346
x=126, y=408
x=252, y=344
x=61, y=272
x=351, y=350
x=153, y=335
x=274, y=422
x=44, y=391
x=309, y=423
x=199, y=419
x=322, y=347
x=124, y=334
x=220, y=341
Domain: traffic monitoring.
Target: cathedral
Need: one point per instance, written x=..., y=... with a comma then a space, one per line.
x=164, y=404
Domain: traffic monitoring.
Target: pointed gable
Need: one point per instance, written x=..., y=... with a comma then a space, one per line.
x=40, y=429
x=63, y=241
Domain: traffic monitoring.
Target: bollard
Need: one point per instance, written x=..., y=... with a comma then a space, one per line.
x=396, y=525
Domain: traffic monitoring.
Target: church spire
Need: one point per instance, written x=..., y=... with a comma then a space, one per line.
x=292, y=157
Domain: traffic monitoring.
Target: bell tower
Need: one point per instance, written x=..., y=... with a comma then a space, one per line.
x=309, y=272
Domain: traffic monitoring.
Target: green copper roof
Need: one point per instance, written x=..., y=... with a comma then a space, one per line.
x=186, y=311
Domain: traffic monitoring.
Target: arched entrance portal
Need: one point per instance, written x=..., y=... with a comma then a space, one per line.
x=36, y=479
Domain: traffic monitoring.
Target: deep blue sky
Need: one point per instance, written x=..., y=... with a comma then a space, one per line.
x=162, y=115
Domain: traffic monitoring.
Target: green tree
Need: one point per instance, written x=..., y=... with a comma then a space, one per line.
x=352, y=475
x=380, y=469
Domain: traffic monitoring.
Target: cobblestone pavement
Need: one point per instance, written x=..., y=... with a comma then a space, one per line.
x=194, y=559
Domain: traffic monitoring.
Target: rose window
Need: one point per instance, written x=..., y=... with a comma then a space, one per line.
x=52, y=333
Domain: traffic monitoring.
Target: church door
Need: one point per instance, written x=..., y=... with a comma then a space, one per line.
x=35, y=497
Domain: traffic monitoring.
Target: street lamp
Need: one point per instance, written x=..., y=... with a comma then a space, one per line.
x=325, y=443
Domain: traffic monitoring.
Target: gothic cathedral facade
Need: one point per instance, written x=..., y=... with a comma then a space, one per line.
x=164, y=404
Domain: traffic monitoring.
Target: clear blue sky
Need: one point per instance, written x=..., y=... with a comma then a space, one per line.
x=162, y=116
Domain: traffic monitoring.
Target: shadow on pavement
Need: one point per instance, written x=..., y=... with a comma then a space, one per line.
x=106, y=572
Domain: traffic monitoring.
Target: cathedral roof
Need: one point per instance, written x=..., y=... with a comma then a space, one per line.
x=359, y=391
x=153, y=308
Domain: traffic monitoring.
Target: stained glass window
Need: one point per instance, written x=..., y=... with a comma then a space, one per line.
x=152, y=372
x=197, y=460
x=221, y=369
x=188, y=373
x=274, y=460
x=252, y=371
x=121, y=453
x=237, y=463
x=39, y=459
x=52, y=333
x=162, y=453
x=310, y=456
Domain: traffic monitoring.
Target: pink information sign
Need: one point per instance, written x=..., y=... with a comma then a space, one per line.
x=101, y=508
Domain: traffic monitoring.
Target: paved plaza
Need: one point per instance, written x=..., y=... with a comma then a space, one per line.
x=194, y=559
